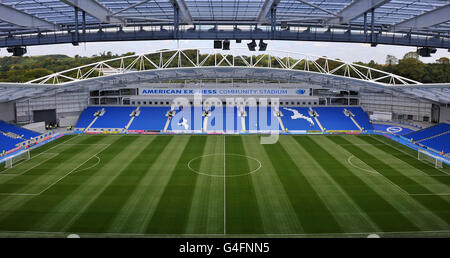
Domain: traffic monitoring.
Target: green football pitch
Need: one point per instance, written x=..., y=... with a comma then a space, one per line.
x=216, y=185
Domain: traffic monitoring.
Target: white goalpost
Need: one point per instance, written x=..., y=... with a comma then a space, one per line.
x=24, y=155
x=424, y=155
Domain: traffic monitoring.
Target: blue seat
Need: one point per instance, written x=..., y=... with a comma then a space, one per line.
x=428, y=132
x=361, y=117
x=24, y=133
x=439, y=143
x=86, y=117
x=298, y=118
x=8, y=143
x=333, y=118
x=150, y=118
x=114, y=118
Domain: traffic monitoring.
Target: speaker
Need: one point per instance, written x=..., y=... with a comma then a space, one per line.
x=226, y=45
x=217, y=44
x=262, y=45
x=252, y=45
x=17, y=51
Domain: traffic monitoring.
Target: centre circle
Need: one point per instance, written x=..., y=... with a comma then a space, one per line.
x=224, y=165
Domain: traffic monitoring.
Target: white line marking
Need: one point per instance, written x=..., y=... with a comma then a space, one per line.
x=389, y=181
x=45, y=189
x=11, y=174
x=61, y=143
x=93, y=166
x=349, y=160
x=243, y=235
x=409, y=154
x=230, y=154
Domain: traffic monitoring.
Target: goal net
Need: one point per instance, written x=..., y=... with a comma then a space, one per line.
x=426, y=156
x=24, y=155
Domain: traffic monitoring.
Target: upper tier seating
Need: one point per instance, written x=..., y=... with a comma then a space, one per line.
x=150, y=118
x=298, y=118
x=114, y=117
x=428, y=132
x=87, y=116
x=333, y=118
x=22, y=132
x=361, y=117
x=439, y=143
x=7, y=143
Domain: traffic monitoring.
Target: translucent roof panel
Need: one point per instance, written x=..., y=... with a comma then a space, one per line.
x=217, y=12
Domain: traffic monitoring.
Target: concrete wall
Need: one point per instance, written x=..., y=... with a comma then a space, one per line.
x=7, y=112
x=444, y=115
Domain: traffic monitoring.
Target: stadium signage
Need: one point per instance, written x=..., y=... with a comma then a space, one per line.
x=222, y=91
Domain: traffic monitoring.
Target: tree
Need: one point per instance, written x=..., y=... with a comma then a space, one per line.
x=391, y=60
x=412, y=55
x=443, y=60
x=411, y=68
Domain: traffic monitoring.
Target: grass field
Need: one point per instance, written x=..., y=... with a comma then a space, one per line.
x=218, y=185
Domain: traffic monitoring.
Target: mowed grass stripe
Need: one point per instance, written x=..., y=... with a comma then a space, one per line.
x=349, y=215
x=29, y=213
x=387, y=217
x=421, y=179
x=135, y=215
x=277, y=214
x=206, y=214
x=172, y=212
x=311, y=211
x=242, y=211
x=435, y=203
x=102, y=211
x=416, y=213
x=408, y=156
x=37, y=178
x=41, y=149
x=99, y=177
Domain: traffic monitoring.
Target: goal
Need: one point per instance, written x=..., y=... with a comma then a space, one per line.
x=434, y=159
x=24, y=155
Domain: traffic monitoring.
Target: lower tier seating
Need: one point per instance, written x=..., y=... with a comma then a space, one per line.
x=429, y=132
x=439, y=143
x=22, y=132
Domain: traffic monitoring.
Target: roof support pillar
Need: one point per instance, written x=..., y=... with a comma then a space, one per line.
x=77, y=38
x=273, y=20
x=365, y=23
x=176, y=19
x=372, y=34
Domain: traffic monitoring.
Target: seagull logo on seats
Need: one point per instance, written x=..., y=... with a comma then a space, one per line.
x=184, y=124
x=297, y=115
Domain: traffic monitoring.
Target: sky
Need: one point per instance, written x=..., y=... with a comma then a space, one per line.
x=350, y=52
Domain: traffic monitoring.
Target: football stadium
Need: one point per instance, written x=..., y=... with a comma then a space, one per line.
x=231, y=140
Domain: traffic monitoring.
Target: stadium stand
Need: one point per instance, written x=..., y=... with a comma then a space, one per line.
x=333, y=118
x=86, y=117
x=7, y=143
x=114, y=117
x=439, y=143
x=361, y=117
x=150, y=118
x=428, y=132
x=223, y=119
x=22, y=132
x=298, y=118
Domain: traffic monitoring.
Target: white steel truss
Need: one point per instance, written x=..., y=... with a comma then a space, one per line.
x=201, y=58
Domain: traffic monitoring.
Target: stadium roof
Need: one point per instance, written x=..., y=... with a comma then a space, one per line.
x=396, y=22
